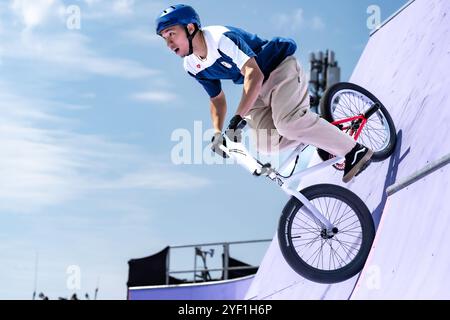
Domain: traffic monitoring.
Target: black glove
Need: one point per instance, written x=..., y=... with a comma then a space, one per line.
x=234, y=130
x=218, y=140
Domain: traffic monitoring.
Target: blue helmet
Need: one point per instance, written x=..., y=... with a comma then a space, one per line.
x=179, y=14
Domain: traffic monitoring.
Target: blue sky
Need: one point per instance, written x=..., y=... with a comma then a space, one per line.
x=87, y=116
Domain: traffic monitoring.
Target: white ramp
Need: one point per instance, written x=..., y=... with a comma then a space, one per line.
x=411, y=256
x=406, y=65
x=234, y=289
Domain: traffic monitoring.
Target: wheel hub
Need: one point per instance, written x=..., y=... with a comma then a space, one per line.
x=355, y=124
x=329, y=235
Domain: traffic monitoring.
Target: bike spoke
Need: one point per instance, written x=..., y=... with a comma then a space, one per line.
x=311, y=228
x=339, y=210
x=318, y=250
x=350, y=223
x=337, y=222
x=332, y=210
x=321, y=208
x=347, y=230
x=308, y=243
x=315, y=228
x=336, y=254
x=332, y=255
x=348, y=249
x=344, y=220
x=375, y=137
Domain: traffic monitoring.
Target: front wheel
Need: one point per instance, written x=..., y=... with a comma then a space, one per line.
x=313, y=253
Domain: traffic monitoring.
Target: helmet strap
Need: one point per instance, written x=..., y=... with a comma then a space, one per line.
x=191, y=37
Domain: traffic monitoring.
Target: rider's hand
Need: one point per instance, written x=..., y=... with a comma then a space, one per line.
x=218, y=140
x=234, y=130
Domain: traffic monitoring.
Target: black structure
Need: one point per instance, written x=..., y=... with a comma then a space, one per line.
x=151, y=270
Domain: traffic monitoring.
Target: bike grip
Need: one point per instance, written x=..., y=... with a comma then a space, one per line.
x=241, y=124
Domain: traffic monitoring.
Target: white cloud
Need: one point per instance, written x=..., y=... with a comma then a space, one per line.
x=99, y=9
x=92, y=2
x=124, y=9
x=154, y=96
x=2, y=10
x=156, y=178
x=317, y=23
x=36, y=12
x=41, y=167
x=66, y=52
x=290, y=21
x=71, y=51
x=296, y=20
x=142, y=36
x=89, y=95
x=123, y=6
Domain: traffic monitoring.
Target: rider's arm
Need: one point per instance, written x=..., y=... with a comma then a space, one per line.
x=218, y=111
x=253, y=80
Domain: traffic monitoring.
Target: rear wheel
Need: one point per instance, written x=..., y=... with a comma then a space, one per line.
x=346, y=100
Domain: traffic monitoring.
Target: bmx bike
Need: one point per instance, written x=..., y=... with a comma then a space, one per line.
x=326, y=231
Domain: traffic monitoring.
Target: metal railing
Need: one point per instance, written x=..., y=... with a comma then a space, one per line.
x=419, y=174
x=226, y=252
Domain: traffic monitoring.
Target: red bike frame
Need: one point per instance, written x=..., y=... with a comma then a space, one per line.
x=349, y=127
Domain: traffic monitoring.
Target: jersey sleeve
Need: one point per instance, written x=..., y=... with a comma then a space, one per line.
x=234, y=46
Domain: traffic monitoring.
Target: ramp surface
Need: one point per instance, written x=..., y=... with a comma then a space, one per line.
x=220, y=290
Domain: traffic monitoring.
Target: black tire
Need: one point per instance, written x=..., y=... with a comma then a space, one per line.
x=293, y=211
x=359, y=100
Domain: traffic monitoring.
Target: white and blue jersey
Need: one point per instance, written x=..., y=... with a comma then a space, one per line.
x=229, y=49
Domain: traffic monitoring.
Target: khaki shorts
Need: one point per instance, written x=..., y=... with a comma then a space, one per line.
x=281, y=116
